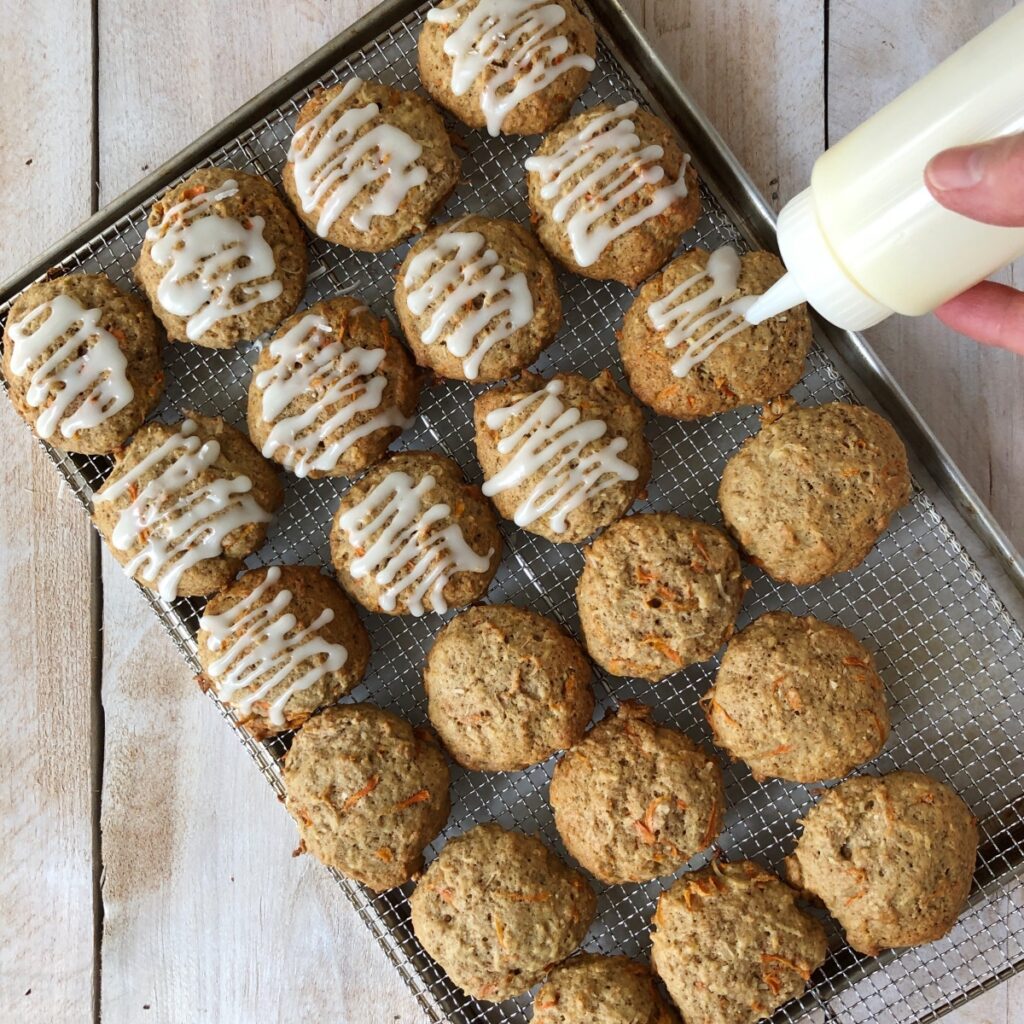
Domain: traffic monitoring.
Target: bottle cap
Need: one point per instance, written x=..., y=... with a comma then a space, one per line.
x=815, y=274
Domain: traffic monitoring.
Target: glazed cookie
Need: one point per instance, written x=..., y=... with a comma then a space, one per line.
x=798, y=699
x=512, y=66
x=809, y=495
x=891, y=858
x=497, y=909
x=686, y=348
x=657, y=593
x=412, y=536
x=635, y=800
x=589, y=989
x=561, y=458
x=369, y=165
x=506, y=688
x=477, y=299
x=82, y=362
x=731, y=944
x=612, y=193
x=367, y=791
x=185, y=504
x=278, y=643
x=223, y=260
x=331, y=390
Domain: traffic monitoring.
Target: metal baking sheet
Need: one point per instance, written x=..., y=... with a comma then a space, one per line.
x=948, y=647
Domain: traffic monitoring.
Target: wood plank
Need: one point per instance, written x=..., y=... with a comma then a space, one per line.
x=46, y=888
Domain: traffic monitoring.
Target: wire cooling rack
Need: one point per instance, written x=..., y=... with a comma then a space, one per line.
x=950, y=654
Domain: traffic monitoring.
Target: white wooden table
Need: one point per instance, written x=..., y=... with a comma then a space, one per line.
x=146, y=868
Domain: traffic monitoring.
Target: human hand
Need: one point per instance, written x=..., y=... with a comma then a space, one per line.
x=986, y=183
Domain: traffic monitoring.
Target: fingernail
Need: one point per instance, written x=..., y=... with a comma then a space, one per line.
x=956, y=168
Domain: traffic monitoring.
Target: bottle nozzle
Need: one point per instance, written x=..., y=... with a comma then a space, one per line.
x=784, y=294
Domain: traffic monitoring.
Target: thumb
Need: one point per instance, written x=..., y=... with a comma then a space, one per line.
x=984, y=182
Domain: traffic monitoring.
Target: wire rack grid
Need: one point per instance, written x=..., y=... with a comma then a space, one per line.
x=949, y=652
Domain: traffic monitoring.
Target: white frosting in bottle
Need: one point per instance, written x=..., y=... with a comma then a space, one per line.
x=613, y=166
x=266, y=647
x=334, y=164
x=513, y=43
x=705, y=314
x=551, y=441
x=455, y=275
x=200, y=250
x=173, y=530
x=393, y=529
x=79, y=382
x=344, y=383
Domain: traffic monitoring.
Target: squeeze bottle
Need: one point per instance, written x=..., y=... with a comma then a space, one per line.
x=867, y=239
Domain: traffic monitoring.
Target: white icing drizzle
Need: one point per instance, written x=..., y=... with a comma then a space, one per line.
x=455, y=275
x=79, y=382
x=514, y=43
x=266, y=647
x=344, y=383
x=613, y=166
x=552, y=439
x=705, y=321
x=334, y=163
x=201, y=251
x=393, y=529
x=175, y=531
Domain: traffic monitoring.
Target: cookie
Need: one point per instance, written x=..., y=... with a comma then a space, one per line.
x=497, y=909
x=369, y=165
x=223, y=259
x=561, y=458
x=892, y=859
x=731, y=944
x=657, y=593
x=367, y=791
x=798, y=699
x=809, y=495
x=412, y=536
x=477, y=299
x=635, y=800
x=82, y=362
x=612, y=194
x=331, y=390
x=184, y=504
x=686, y=348
x=506, y=688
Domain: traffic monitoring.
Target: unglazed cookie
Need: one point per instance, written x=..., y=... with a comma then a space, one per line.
x=477, y=299
x=635, y=800
x=82, y=362
x=185, y=504
x=561, y=458
x=369, y=165
x=686, y=348
x=223, y=259
x=891, y=858
x=731, y=944
x=278, y=643
x=809, y=495
x=497, y=909
x=657, y=593
x=612, y=193
x=512, y=66
x=589, y=989
x=331, y=390
x=412, y=536
x=506, y=688
x=367, y=791
x=798, y=699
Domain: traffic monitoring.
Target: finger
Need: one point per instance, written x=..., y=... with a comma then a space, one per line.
x=983, y=182
x=990, y=313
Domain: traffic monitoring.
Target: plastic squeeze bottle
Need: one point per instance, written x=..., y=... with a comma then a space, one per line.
x=867, y=239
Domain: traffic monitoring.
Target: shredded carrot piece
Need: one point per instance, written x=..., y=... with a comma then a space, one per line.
x=713, y=824
x=195, y=190
x=370, y=786
x=417, y=798
x=859, y=662
x=545, y=1004
x=385, y=854
x=646, y=834
x=499, y=930
x=715, y=705
x=522, y=897
x=774, y=958
x=663, y=648
x=652, y=809
x=682, y=805
x=700, y=547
